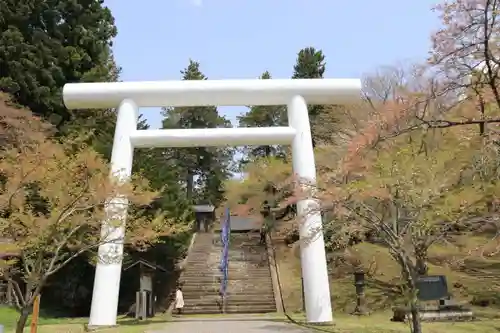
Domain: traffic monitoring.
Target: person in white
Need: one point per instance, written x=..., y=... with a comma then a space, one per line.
x=179, y=300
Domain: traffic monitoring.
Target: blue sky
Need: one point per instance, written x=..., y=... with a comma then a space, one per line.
x=243, y=38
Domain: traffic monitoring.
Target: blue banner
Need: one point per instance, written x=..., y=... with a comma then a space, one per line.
x=225, y=234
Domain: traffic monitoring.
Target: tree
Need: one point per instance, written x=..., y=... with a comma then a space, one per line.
x=263, y=116
x=410, y=187
x=53, y=199
x=163, y=174
x=18, y=126
x=311, y=65
x=267, y=183
x=45, y=44
x=463, y=68
x=210, y=165
x=411, y=191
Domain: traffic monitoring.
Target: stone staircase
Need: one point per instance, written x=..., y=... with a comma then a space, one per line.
x=249, y=289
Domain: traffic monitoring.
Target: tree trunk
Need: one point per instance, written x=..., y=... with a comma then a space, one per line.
x=409, y=275
x=23, y=318
x=190, y=185
x=421, y=266
x=268, y=151
x=421, y=260
x=416, y=324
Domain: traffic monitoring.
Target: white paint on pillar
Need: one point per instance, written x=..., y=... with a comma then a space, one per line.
x=312, y=246
x=104, y=307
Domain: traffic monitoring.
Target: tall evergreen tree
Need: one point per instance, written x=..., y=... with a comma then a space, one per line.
x=263, y=116
x=45, y=44
x=207, y=165
x=310, y=64
x=163, y=173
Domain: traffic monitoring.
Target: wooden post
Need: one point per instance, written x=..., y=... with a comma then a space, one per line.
x=36, y=312
x=10, y=290
x=137, y=304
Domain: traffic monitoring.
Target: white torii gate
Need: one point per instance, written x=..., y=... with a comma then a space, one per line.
x=296, y=94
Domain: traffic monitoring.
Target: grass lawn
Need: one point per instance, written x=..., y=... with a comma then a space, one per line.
x=479, y=279
x=9, y=316
x=380, y=323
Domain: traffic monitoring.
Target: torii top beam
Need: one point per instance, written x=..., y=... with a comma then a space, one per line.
x=211, y=92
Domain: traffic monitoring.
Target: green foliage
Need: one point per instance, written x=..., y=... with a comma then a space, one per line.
x=310, y=65
x=263, y=116
x=209, y=165
x=45, y=44
x=163, y=174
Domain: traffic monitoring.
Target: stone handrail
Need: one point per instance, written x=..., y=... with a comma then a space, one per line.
x=181, y=266
x=273, y=267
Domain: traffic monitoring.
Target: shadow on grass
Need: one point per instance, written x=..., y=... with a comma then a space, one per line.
x=382, y=294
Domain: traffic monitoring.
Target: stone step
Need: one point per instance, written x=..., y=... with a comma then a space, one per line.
x=203, y=250
x=260, y=257
x=229, y=292
x=201, y=265
x=249, y=266
x=246, y=237
x=215, y=303
x=256, y=290
x=189, y=284
x=234, y=279
x=232, y=285
x=234, y=263
x=235, y=276
x=195, y=271
x=195, y=298
x=216, y=254
x=231, y=276
x=253, y=260
x=238, y=288
x=192, y=289
x=249, y=291
x=229, y=309
x=206, y=285
x=247, y=251
x=211, y=260
x=254, y=295
x=267, y=298
x=233, y=271
x=234, y=267
x=241, y=257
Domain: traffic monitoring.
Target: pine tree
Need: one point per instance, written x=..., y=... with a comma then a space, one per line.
x=263, y=116
x=45, y=44
x=311, y=65
x=208, y=165
x=163, y=173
